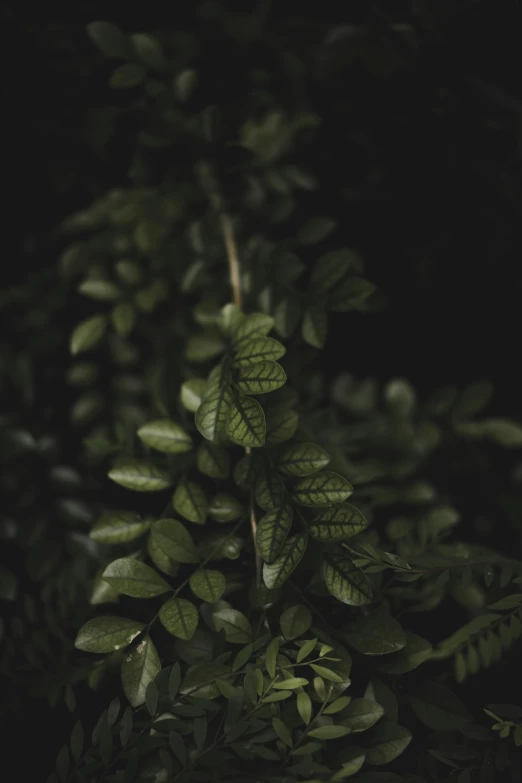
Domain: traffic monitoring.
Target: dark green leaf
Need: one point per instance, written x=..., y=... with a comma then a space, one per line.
x=329, y=732
x=302, y=459
x=281, y=425
x=276, y=574
x=179, y=617
x=88, y=334
x=212, y=415
x=138, y=670
x=246, y=422
x=208, y=585
x=282, y=731
x=254, y=325
x=189, y=500
x=131, y=577
x=76, y=743
x=123, y=318
x=351, y=293
x=106, y=634
x=323, y=489
x=295, y=621
x=388, y=742
x=140, y=476
x=329, y=270
x=166, y=436
x=315, y=326
x=271, y=657
x=269, y=490
x=235, y=625
x=225, y=508
x=438, y=708
x=242, y=657
x=261, y=378
x=314, y=230
x=291, y=683
x=417, y=650
x=259, y=349
x=287, y=315
x=119, y=527
x=149, y=50
x=337, y=524
x=108, y=38
x=361, y=714
x=345, y=581
x=185, y=84
x=128, y=75
x=213, y=460
x=304, y=706
x=101, y=290
x=272, y=530
x=175, y=540
x=375, y=634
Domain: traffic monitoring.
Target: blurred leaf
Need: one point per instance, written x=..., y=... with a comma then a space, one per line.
x=166, y=436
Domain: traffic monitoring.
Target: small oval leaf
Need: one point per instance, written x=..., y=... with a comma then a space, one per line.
x=107, y=634
x=166, y=436
x=179, y=617
x=131, y=577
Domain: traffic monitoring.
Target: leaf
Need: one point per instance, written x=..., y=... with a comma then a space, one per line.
x=282, y=731
x=387, y=743
x=106, y=634
x=325, y=673
x=174, y=540
x=213, y=460
x=208, y=585
x=345, y=581
x=123, y=318
x=291, y=683
x=417, y=650
x=314, y=230
x=166, y=436
x=203, y=347
x=130, y=577
x=254, y=325
x=76, y=742
x=272, y=530
x=261, y=378
x=140, y=476
x=304, y=706
x=337, y=524
x=189, y=500
x=286, y=316
x=314, y=326
x=246, y=422
x=350, y=294
x=242, y=657
x=88, y=334
x=295, y=621
x=138, y=670
x=179, y=617
x=276, y=574
x=438, y=708
x=128, y=75
x=329, y=732
x=101, y=290
x=192, y=393
x=302, y=459
x=281, y=425
x=149, y=50
x=362, y=714
x=225, y=508
x=257, y=350
x=323, y=489
x=108, y=38
x=375, y=634
x=102, y=593
x=118, y=527
x=269, y=490
x=271, y=657
x=338, y=705
x=306, y=649
x=213, y=413
x=185, y=84
x=329, y=270
x=505, y=432
x=235, y=625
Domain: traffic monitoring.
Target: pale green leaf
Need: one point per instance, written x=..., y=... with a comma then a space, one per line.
x=138, y=670
x=213, y=413
x=290, y=684
x=102, y=592
x=235, y=625
x=118, y=527
x=131, y=577
x=261, y=378
x=304, y=706
x=166, y=436
x=337, y=524
x=272, y=530
x=254, y=325
x=314, y=326
x=295, y=621
x=208, y=585
x=271, y=657
x=302, y=459
x=388, y=742
x=276, y=574
x=329, y=732
x=322, y=489
x=101, y=290
x=189, y=500
x=175, y=540
x=179, y=617
x=140, y=476
x=192, y=393
x=246, y=422
x=259, y=349
x=345, y=581
x=88, y=334
x=213, y=460
x=107, y=634
x=306, y=649
x=326, y=674
x=225, y=508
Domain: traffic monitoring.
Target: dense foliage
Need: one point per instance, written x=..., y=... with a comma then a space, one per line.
x=253, y=559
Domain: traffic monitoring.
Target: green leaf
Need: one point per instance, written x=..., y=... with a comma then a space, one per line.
x=225, y=508
x=108, y=38
x=329, y=270
x=350, y=294
x=306, y=649
x=417, y=650
x=362, y=714
x=123, y=318
x=196, y=682
x=166, y=436
x=140, y=476
x=269, y=491
x=192, y=393
x=345, y=581
x=323, y=489
x=325, y=673
x=254, y=325
x=281, y=425
x=88, y=334
x=276, y=574
x=302, y=459
x=295, y=621
x=189, y=500
x=291, y=683
x=179, y=617
x=304, y=706
x=272, y=530
x=246, y=422
x=505, y=432
x=213, y=460
x=261, y=378
x=337, y=524
x=107, y=634
x=259, y=349
x=375, y=634
x=388, y=742
x=149, y=50
x=203, y=347
x=235, y=625
x=438, y=708
x=329, y=732
x=208, y=585
x=174, y=540
x=287, y=315
x=271, y=657
x=213, y=413
x=314, y=326
x=130, y=577
x=8, y=585
x=128, y=75
x=101, y=290
x=138, y=670
x=314, y=230
x=185, y=84
x=77, y=740
x=242, y=657
x=118, y=527
x=102, y=593
x=338, y=705
x=282, y=731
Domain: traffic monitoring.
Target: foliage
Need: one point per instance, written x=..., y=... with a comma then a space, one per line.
x=263, y=542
